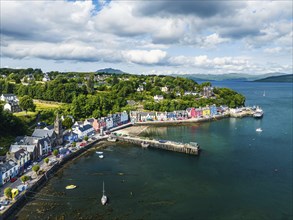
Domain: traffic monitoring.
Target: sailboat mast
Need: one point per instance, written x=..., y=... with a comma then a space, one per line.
x=103, y=188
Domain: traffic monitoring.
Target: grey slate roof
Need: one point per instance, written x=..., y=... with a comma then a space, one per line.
x=16, y=147
x=85, y=127
x=42, y=133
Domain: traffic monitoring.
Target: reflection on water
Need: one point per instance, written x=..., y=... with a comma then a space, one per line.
x=240, y=173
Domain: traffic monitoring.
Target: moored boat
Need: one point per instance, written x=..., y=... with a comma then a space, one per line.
x=145, y=144
x=258, y=113
x=112, y=139
x=258, y=130
x=70, y=187
x=104, y=198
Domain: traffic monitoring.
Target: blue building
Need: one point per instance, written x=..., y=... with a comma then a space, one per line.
x=213, y=110
x=71, y=137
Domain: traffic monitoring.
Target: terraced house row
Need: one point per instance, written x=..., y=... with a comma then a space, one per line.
x=189, y=113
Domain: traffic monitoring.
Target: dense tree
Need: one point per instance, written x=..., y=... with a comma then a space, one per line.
x=8, y=193
x=24, y=178
x=10, y=124
x=36, y=168
x=55, y=152
x=27, y=103
x=67, y=122
x=46, y=160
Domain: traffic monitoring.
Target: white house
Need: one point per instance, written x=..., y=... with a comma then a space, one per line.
x=109, y=123
x=140, y=88
x=158, y=98
x=21, y=157
x=12, y=106
x=8, y=170
x=46, y=78
x=84, y=130
x=147, y=116
x=124, y=117
x=190, y=93
x=162, y=116
x=164, y=89
x=9, y=98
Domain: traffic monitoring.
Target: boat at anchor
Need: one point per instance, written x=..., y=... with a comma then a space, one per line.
x=104, y=198
x=145, y=144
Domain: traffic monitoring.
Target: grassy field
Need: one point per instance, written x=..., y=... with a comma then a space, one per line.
x=24, y=114
x=44, y=105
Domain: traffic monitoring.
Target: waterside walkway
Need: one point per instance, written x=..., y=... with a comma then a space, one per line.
x=39, y=180
x=192, y=148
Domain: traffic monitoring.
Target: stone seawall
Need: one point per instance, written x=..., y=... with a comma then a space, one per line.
x=165, y=145
x=22, y=200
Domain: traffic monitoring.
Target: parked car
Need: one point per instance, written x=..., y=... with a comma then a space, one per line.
x=12, y=180
x=4, y=202
x=82, y=144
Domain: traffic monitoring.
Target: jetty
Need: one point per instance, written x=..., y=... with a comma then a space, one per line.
x=188, y=148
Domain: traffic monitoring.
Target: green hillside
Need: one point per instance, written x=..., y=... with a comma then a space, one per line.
x=283, y=78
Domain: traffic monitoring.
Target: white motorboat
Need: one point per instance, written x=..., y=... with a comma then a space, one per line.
x=258, y=113
x=104, y=198
x=101, y=156
x=145, y=144
x=112, y=139
x=99, y=152
x=258, y=130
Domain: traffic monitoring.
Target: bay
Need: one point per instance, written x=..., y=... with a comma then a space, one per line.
x=240, y=173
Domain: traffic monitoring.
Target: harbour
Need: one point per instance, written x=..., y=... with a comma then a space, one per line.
x=188, y=148
x=241, y=174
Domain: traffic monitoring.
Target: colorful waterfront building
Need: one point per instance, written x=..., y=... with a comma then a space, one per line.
x=213, y=110
x=124, y=117
x=162, y=116
x=109, y=122
x=191, y=113
x=199, y=112
x=171, y=116
x=181, y=114
x=206, y=111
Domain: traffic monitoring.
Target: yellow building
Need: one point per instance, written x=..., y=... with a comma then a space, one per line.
x=206, y=112
x=14, y=193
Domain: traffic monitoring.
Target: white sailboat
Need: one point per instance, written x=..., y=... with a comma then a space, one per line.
x=104, y=197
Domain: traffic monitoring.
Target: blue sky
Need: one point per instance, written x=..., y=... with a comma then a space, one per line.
x=148, y=37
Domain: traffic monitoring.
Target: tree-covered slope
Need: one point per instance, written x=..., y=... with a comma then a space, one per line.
x=283, y=78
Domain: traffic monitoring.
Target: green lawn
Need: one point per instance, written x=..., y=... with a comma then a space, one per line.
x=40, y=105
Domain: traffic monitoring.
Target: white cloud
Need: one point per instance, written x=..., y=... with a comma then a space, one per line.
x=130, y=32
x=145, y=57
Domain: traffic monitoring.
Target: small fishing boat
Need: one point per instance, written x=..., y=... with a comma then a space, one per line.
x=99, y=152
x=104, y=197
x=101, y=156
x=258, y=130
x=145, y=144
x=258, y=113
x=70, y=187
x=112, y=139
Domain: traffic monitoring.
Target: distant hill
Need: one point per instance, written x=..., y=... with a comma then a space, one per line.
x=282, y=78
x=110, y=70
x=229, y=76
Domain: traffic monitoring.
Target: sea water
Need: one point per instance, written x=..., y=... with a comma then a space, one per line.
x=240, y=173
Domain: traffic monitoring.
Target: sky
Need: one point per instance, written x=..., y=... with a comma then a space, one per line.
x=148, y=37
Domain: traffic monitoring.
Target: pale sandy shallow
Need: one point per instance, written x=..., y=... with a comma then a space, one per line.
x=133, y=130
